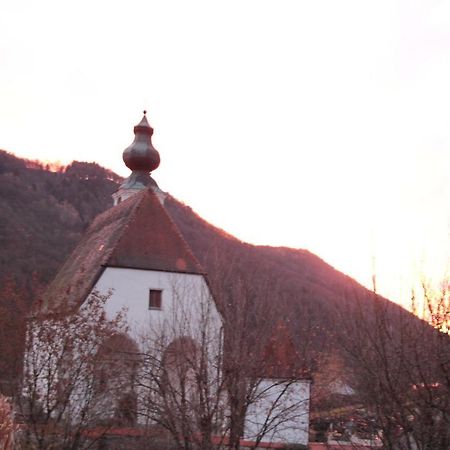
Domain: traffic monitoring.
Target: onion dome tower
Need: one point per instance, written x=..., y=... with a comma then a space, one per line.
x=142, y=158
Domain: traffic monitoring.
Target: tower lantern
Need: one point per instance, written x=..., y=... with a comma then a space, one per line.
x=142, y=159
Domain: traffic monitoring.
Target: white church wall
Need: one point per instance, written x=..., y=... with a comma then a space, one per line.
x=182, y=294
x=187, y=311
x=281, y=412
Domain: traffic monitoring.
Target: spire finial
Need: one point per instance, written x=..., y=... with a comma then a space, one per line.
x=142, y=158
x=141, y=155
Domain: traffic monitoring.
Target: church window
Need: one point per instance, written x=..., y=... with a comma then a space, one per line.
x=155, y=299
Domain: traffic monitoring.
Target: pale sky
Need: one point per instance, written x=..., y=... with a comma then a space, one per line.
x=316, y=124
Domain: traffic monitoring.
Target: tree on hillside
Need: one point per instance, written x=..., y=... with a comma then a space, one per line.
x=7, y=425
x=89, y=170
x=63, y=395
x=402, y=370
x=13, y=308
x=436, y=305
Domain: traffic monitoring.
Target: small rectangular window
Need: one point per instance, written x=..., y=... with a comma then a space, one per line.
x=155, y=299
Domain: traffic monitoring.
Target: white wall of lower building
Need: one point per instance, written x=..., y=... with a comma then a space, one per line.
x=281, y=412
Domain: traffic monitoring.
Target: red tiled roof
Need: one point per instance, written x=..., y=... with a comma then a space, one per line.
x=138, y=233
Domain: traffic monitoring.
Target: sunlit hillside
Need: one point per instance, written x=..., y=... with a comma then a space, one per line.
x=43, y=214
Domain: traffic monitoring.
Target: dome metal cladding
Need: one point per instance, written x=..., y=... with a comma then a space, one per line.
x=141, y=155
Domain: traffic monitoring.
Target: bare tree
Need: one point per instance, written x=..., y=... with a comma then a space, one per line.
x=13, y=306
x=211, y=382
x=402, y=369
x=262, y=370
x=181, y=382
x=7, y=426
x=62, y=399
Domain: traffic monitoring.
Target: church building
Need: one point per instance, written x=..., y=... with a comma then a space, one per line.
x=134, y=254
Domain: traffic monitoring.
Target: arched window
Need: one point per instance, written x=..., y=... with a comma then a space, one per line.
x=180, y=369
x=117, y=364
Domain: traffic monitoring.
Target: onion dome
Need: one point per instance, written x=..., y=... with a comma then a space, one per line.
x=142, y=158
x=141, y=155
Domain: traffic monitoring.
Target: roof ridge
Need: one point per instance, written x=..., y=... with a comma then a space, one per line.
x=150, y=199
x=131, y=217
x=180, y=235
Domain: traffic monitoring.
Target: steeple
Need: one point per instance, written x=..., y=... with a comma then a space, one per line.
x=142, y=159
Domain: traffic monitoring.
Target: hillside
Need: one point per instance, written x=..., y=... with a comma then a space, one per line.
x=306, y=291
x=43, y=215
x=283, y=307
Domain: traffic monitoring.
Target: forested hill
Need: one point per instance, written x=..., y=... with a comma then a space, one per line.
x=44, y=213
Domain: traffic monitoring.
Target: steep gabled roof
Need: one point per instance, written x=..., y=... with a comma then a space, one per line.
x=136, y=234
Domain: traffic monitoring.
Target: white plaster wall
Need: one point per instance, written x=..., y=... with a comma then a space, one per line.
x=188, y=310
x=184, y=299
x=284, y=407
